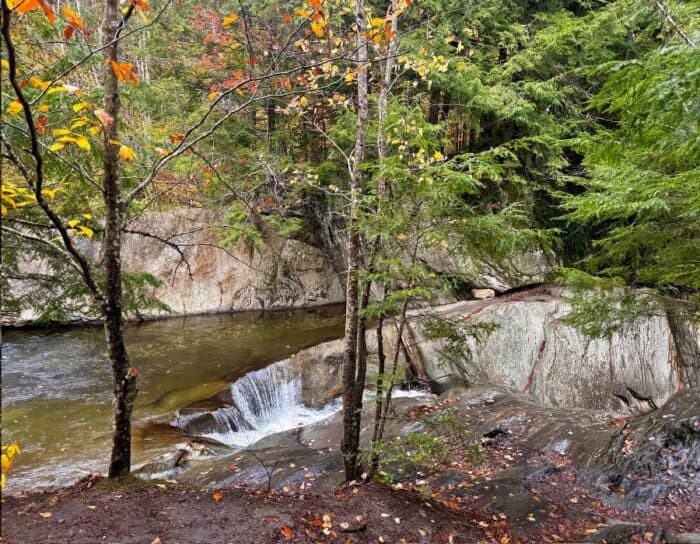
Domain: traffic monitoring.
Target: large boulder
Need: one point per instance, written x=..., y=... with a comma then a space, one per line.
x=321, y=369
x=525, y=345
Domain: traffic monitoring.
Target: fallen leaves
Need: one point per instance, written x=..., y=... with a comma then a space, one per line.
x=45, y=514
x=217, y=496
x=287, y=532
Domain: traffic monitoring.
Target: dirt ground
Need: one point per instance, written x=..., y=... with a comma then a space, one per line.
x=132, y=511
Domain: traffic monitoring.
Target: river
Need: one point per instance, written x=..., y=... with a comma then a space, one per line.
x=56, y=383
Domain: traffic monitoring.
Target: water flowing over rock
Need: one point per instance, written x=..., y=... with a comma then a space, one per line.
x=531, y=350
x=262, y=402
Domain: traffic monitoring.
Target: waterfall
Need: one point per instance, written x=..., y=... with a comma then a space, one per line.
x=267, y=401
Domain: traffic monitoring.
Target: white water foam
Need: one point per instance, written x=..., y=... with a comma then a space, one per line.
x=267, y=401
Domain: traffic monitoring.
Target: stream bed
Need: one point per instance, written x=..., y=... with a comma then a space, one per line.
x=56, y=399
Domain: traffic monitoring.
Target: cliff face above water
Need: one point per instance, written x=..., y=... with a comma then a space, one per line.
x=199, y=274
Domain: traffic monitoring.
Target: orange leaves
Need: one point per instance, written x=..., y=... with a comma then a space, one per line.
x=217, y=496
x=75, y=22
x=287, y=532
x=318, y=18
x=24, y=6
x=318, y=28
x=143, y=4
x=235, y=81
x=176, y=138
x=125, y=72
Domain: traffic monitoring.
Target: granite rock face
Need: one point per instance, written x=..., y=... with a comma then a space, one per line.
x=203, y=276
x=531, y=350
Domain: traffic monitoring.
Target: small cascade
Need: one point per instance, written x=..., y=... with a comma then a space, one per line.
x=267, y=401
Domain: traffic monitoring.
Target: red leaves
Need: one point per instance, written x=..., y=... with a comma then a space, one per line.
x=42, y=124
x=237, y=77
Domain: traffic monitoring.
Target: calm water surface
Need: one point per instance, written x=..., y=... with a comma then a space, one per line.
x=56, y=383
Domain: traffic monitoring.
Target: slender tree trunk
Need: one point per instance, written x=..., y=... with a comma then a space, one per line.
x=379, y=408
x=382, y=195
x=124, y=377
x=351, y=403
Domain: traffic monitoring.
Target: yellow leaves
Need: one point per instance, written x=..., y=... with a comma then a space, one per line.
x=81, y=141
x=50, y=193
x=79, y=123
x=15, y=197
x=64, y=89
x=125, y=72
x=4, y=64
x=66, y=137
x=126, y=153
x=43, y=108
x=302, y=13
x=213, y=95
x=24, y=6
x=81, y=106
x=85, y=231
x=377, y=22
x=229, y=19
x=14, y=108
x=438, y=156
x=81, y=230
x=318, y=28
x=8, y=454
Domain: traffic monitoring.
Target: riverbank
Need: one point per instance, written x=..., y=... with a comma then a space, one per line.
x=525, y=483
x=164, y=512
